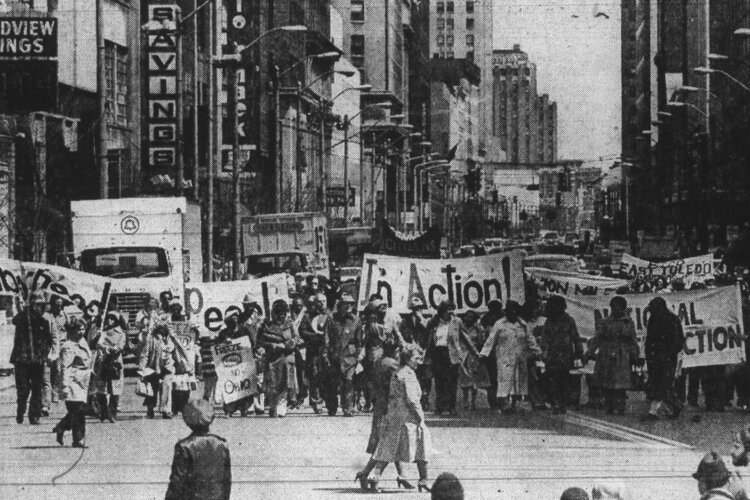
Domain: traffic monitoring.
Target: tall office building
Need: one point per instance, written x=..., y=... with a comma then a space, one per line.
x=463, y=30
x=525, y=122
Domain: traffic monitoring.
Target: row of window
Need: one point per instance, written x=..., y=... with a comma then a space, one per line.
x=449, y=24
x=448, y=40
x=449, y=7
x=449, y=54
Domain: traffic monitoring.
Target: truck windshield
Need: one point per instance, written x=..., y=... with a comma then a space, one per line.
x=263, y=265
x=131, y=262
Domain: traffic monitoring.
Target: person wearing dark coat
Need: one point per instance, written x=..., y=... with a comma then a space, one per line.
x=31, y=347
x=664, y=341
x=344, y=347
x=561, y=346
x=314, y=331
x=414, y=329
x=487, y=321
x=201, y=467
x=615, y=349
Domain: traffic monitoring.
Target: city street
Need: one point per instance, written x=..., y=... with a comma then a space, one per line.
x=527, y=455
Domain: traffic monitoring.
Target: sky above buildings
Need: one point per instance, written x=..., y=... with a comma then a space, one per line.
x=576, y=47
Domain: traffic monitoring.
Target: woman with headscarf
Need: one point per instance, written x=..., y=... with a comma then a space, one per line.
x=404, y=436
x=279, y=340
x=378, y=335
x=76, y=359
x=446, y=348
x=512, y=343
x=108, y=367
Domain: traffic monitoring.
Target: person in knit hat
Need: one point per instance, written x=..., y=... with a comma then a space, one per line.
x=201, y=467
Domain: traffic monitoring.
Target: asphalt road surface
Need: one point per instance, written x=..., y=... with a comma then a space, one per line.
x=307, y=456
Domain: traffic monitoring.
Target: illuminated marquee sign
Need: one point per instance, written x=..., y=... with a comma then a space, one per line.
x=241, y=30
x=161, y=86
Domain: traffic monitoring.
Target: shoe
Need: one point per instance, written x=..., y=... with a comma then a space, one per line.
x=348, y=414
x=45, y=412
x=166, y=415
x=403, y=483
x=649, y=417
x=316, y=410
x=243, y=412
x=332, y=413
x=362, y=480
x=373, y=485
x=78, y=444
x=34, y=421
x=60, y=434
x=260, y=411
x=19, y=419
x=422, y=485
x=111, y=419
x=150, y=413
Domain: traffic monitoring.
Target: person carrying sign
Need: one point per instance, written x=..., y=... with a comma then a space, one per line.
x=615, y=349
x=278, y=338
x=664, y=341
x=232, y=331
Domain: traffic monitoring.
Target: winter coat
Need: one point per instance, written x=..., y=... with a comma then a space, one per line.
x=512, y=344
x=76, y=360
x=664, y=337
x=561, y=342
x=279, y=341
x=31, y=345
x=201, y=469
x=157, y=355
x=615, y=348
x=345, y=343
x=404, y=436
x=380, y=384
x=109, y=350
x=414, y=330
x=377, y=336
x=457, y=339
x=314, y=331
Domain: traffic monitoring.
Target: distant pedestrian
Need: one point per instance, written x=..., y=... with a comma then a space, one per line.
x=414, y=330
x=344, y=347
x=664, y=341
x=493, y=315
x=32, y=345
x=108, y=368
x=157, y=360
x=615, y=349
x=201, y=467
x=472, y=374
x=76, y=361
x=314, y=331
x=279, y=341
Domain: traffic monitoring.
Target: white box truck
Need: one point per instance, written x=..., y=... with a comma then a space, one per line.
x=286, y=242
x=147, y=245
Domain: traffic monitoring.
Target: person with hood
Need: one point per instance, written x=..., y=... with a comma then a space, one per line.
x=414, y=330
x=108, y=367
x=344, y=347
x=32, y=346
x=615, y=349
x=562, y=347
x=664, y=341
x=279, y=341
x=201, y=467
x=76, y=361
x=512, y=343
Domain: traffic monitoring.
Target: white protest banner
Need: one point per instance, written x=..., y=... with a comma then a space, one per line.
x=76, y=286
x=235, y=370
x=567, y=284
x=690, y=269
x=209, y=303
x=711, y=319
x=470, y=282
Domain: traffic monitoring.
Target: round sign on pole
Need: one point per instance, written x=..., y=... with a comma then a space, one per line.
x=130, y=224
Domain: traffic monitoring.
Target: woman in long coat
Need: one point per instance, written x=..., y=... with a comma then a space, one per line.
x=278, y=338
x=404, y=436
x=513, y=344
x=76, y=360
x=108, y=367
x=615, y=349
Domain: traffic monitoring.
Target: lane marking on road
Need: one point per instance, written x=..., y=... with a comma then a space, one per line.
x=622, y=431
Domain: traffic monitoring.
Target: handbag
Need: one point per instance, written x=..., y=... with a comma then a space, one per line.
x=144, y=389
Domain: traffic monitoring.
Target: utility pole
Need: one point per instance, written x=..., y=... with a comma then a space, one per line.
x=213, y=158
x=346, y=171
x=279, y=137
x=196, y=153
x=235, y=169
x=323, y=169
x=298, y=138
x=101, y=87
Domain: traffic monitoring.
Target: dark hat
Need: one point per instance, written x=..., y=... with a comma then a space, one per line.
x=38, y=297
x=712, y=469
x=575, y=493
x=198, y=413
x=447, y=487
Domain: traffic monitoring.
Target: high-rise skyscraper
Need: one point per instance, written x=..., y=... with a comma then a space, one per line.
x=525, y=122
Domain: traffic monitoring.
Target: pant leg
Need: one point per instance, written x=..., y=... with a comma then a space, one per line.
x=330, y=388
x=694, y=380
x=23, y=387
x=55, y=378
x=209, y=389
x=424, y=375
x=77, y=419
x=101, y=398
x=179, y=399
x=165, y=394
x=313, y=378
x=37, y=382
x=347, y=394
x=440, y=369
x=281, y=405
x=535, y=385
x=47, y=387
x=559, y=378
x=492, y=372
x=452, y=386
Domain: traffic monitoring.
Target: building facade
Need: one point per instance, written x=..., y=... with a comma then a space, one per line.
x=525, y=123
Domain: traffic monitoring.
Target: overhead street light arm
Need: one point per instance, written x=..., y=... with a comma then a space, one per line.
x=702, y=70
